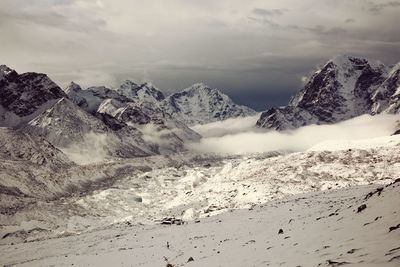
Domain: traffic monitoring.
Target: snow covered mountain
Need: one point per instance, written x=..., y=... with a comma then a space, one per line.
x=201, y=104
x=91, y=98
x=160, y=130
x=345, y=87
x=69, y=127
x=83, y=122
x=145, y=92
x=197, y=104
x=25, y=96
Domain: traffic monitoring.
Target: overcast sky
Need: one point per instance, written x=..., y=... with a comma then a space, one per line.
x=257, y=51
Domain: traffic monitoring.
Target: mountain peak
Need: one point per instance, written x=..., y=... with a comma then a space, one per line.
x=342, y=89
x=72, y=88
x=199, y=86
x=5, y=69
x=146, y=91
x=350, y=62
x=199, y=104
x=148, y=84
x=129, y=83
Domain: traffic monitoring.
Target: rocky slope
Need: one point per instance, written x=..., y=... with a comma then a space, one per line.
x=343, y=88
x=24, y=96
x=22, y=157
x=18, y=146
x=201, y=104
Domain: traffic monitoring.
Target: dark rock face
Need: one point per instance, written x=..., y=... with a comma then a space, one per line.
x=284, y=118
x=110, y=121
x=134, y=114
x=24, y=94
x=344, y=88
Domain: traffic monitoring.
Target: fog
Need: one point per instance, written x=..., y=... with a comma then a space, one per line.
x=238, y=136
x=92, y=149
x=229, y=126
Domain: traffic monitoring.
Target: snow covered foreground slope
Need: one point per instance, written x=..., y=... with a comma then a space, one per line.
x=355, y=226
x=324, y=222
x=345, y=87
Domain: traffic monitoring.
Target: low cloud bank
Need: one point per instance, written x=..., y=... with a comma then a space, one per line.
x=93, y=149
x=229, y=126
x=238, y=136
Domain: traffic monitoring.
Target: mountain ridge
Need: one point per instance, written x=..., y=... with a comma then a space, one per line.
x=345, y=87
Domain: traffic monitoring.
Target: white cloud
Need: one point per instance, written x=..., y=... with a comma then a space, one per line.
x=226, y=127
x=249, y=140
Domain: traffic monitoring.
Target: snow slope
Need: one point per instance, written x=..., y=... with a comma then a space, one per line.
x=191, y=187
x=200, y=104
x=333, y=145
x=315, y=229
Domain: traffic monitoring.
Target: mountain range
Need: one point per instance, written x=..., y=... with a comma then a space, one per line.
x=137, y=119
x=130, y=121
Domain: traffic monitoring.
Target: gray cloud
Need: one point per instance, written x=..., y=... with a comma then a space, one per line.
x=376, y=8
x=257, y=51
x=269, y=12
x=51, y=19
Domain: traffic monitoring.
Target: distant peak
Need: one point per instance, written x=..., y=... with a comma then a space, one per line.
x=346, y=62
x=129, y=83
x=73, y=84
x=343, y=59
x=199, y=85
x=73, y=87
x=148, y=84
x=5, y=69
